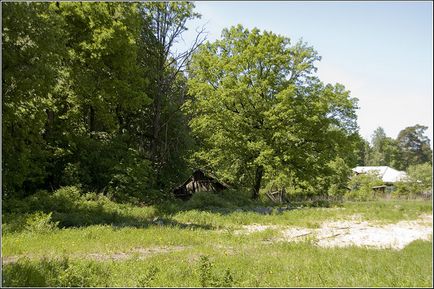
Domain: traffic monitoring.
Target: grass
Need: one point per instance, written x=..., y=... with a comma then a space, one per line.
x=249, y=265
x=192, y=247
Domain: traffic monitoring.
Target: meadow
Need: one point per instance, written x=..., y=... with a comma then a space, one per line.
x=66, y=239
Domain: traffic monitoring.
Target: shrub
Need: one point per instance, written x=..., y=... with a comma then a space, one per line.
x=132, y=180
x=361, y=187
x=421, y=176
x=205, y=275
x=208, y=278
x=229, y=199
x=68, y=207
x=54, y=273
x=206, y=200
x=40, y=222
x=419, y=181
x=148, y=277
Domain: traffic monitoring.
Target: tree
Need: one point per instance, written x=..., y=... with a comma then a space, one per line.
x=259, y=113
x=385, y=151
x=421, y=175
x=363, y=151
x=72, y=79
x=32, y=49
x=167, y=21
x=414, y=145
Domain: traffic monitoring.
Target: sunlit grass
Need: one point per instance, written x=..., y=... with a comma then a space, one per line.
x=180, y=236
x=250, y=265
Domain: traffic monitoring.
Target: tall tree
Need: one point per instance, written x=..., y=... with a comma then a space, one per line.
x=32, y=49
x=106, y=84
x=363, y=151
x=258, y=112
x=415, y=145
x=72, y=79
x=385, y=151
x=168, y=22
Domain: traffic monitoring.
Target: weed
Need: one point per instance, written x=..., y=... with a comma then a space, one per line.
x=40, y=222
x=205, y=276
x=228, y=280
x=148, y=277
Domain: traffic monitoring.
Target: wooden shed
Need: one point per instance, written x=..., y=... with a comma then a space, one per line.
x=198, y=182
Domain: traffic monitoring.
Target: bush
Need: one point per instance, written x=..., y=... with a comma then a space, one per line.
x=361, y=187
x=132, y=180
x=40, y=222
x=208, y=278
x=207, y=200
x=229, y=199
x=419, y=181
x=69, y=207
x=421, y=175
x=54, y=273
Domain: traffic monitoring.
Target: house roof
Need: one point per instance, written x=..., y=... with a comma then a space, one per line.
x=206, y=174
x=387, y=174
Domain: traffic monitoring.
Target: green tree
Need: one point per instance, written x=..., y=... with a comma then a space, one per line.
x=32, y=50
x=363, y=151
x=258, y=112
x=422, y=175
x=415, y=145
x=73, y=79
x=419, y=181
x=169, y=132
x=385, y=151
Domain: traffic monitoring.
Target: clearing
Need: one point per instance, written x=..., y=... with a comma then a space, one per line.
x=355, y=244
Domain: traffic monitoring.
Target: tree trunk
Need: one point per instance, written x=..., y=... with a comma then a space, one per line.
x=156, y=125
x=258, y=179
x=49, y=124
x=92, y=125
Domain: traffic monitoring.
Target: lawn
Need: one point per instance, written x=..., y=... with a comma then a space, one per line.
x=180, y=245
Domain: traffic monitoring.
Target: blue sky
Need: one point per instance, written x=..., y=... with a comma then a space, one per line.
x=381, y=51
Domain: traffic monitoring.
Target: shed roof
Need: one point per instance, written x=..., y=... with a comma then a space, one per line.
x=387, y=174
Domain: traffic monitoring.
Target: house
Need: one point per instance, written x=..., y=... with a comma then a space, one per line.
x=388, y=175
x=198, y=182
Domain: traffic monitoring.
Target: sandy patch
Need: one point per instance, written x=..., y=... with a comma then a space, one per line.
x=248, y=229
x=355, y=232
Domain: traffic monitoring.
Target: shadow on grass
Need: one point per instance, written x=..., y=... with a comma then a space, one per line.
x=227, y=202
x=77, y=212
x=70, y=208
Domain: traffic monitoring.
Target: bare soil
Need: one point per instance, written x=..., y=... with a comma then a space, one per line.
x=355, y=232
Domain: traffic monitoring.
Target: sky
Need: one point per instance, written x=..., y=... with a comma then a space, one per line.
x=381, y=51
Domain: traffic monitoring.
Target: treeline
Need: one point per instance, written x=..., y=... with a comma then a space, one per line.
x=95, y=96
x=410, y=148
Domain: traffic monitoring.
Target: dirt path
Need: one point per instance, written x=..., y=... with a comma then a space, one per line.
x=140, y=253
x=355, y=232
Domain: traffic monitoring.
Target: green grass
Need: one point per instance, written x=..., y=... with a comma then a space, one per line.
x=249, y=265
x=196, y=247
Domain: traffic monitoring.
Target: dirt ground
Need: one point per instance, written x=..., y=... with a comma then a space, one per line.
x=355, y=232
x=140, y=253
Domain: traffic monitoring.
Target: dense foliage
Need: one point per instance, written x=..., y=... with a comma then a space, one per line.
x=95, y=96
x=254, y=97
x=410, y=148
x=80, y=84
